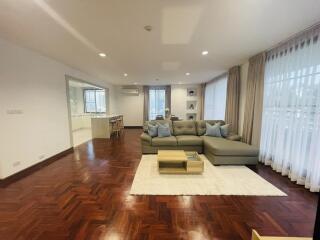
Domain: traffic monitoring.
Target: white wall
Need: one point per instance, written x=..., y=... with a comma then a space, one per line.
x=179, y=100
x=131, y=107
x=33, y=87
x=243, y=89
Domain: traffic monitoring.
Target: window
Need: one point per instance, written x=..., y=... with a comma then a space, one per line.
x=157, y=102
x=95, y=101
x=290, y=134
x=215, y=99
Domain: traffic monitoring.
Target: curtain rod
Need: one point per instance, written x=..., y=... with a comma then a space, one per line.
x=316, y=25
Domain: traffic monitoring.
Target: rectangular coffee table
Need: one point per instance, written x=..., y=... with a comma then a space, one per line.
x=179, y=162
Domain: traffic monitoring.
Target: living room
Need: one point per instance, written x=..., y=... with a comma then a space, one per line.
x=159, y=119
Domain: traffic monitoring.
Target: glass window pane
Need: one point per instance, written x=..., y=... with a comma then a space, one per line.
x=95, y=101
x=215, y=99
x=157, y=102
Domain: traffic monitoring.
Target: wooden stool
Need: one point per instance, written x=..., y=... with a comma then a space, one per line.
x=113, y=128
x=121, y=123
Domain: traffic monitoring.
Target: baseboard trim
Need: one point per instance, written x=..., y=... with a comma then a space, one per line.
x=133, y=127
x=28, y=171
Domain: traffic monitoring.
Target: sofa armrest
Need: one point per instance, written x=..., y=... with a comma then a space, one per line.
x=145, y=138
x=234, y=137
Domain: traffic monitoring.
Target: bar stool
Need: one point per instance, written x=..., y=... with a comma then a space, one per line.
x=118, y=126
x=112, y=126
x=121, y=123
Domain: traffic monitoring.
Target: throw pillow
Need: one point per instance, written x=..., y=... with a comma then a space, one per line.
x=225, y=130
x=153, y=130
x=164, y=130
x=213, y=130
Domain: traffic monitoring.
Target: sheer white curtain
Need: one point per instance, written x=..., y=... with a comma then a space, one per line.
x=290, y=138
x=215, y=99
x=157, y=102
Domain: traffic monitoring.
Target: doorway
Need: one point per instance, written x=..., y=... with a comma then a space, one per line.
x=85, y=101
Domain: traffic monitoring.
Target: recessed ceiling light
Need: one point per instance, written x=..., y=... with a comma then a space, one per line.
x=103, y=55
x=125, y=74
x=205, y=52
x=187, y=73
x=135, y=83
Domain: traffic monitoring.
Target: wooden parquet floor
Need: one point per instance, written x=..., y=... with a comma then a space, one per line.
x=85, y=195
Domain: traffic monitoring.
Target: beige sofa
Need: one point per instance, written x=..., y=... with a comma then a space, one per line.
x=189, y=136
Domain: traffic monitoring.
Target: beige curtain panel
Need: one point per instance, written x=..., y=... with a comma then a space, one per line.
x=202, y=96
x=168, y=98
x=233, y=98
x=254, y=100
x=146, y=103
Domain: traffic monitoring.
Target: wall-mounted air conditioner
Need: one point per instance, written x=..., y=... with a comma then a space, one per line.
x=130, y=90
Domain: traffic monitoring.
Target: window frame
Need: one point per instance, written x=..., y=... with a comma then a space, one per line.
x=95, y=100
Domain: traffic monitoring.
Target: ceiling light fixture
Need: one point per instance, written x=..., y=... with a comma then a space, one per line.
x=125, y=74
x=103, y=55
x=187, y=73
x=204, y=52
x=135, y=83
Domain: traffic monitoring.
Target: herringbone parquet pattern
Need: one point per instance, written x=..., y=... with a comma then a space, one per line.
x=85, y=195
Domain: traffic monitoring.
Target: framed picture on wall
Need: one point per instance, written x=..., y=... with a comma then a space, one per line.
x=191, y=116
x=191, y=92
x=191, y=105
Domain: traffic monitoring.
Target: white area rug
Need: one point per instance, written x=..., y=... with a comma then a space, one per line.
x=215, y=180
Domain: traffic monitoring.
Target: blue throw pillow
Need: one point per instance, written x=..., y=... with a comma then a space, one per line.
x=213, y=131
x=164, y=130
x=153, y=130
x=225, y=130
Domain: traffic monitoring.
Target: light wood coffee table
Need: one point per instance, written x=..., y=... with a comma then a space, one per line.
x=179, y=162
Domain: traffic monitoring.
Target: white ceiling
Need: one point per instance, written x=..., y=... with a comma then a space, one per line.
x=75, y=31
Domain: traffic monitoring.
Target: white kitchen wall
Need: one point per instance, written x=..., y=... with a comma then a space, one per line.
x=33, y=107
x=130, y=106
x=76, y=100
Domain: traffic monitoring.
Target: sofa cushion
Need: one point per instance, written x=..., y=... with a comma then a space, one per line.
x=224, y=147
x=201, y=125
x=184, y=128
x=155, y=122
x=145, y=138
x=164, y=130
x=225, y=130
x=152, y=130
x=189, y=140
x=213, y=130
x=164, y=141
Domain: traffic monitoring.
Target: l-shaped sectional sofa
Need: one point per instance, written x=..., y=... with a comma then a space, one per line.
x=190, y=136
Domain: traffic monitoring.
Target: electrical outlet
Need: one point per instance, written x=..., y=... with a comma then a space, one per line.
x=42, y=157
x=14, y=111
x=16, y=163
